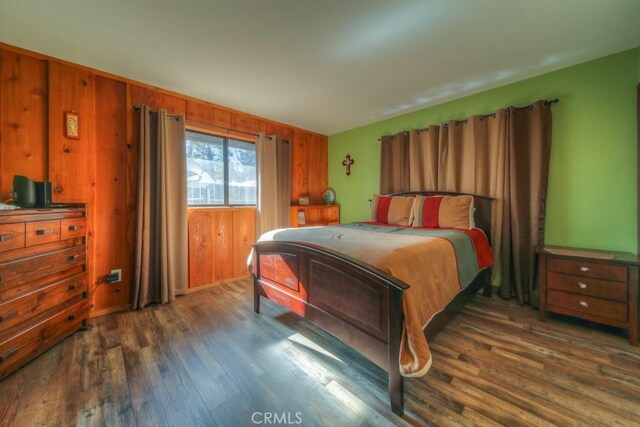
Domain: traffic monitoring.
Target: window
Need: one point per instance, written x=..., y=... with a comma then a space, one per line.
x=220, y=171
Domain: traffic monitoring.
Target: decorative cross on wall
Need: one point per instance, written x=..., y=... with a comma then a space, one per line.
x=347, y=162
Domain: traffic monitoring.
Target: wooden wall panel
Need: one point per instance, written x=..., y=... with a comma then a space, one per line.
x=219, y=243
x=199, y=112
x=71, y=161
x=111, y=187
x=314, y=181
x=221, y=117
x=299, y=163
x=202, y=248
x=155, y=99
x=223, y=235
x=244, y=235
x=23, y=107
x=244, y=123
x=323, y=164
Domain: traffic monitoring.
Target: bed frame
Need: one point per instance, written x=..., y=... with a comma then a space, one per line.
x=355, y=302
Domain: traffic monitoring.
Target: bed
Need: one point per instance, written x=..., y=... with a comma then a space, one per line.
x=353, y=300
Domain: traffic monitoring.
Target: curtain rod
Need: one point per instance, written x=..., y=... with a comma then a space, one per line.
x=138, y=108
x=546, y=103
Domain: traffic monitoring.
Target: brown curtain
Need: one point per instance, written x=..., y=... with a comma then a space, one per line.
x=505, y=156
x=161, y=265
x=472, y=160
x=394, y=164
x=423, y=158
x=529, y=150
x=273, y=161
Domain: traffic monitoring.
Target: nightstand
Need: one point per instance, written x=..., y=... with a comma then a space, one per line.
x=600, y=286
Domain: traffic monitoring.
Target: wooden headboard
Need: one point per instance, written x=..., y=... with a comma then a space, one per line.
x=481, y=203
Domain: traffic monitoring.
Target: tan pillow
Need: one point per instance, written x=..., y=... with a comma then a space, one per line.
x=391, y=209
x=456, y=212
x=443, y=212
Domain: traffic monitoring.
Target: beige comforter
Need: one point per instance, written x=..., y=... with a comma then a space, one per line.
x=433, y=279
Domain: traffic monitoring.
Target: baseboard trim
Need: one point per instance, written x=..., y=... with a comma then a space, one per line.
x=212, y=285
x=109, y=310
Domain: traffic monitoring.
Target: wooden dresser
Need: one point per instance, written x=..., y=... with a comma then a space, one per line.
x=43, y=281
x=600, y=286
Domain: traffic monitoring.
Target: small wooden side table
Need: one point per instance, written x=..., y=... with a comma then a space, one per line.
x=600, y=286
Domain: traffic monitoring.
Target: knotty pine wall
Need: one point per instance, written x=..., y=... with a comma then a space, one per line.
x=100, y=168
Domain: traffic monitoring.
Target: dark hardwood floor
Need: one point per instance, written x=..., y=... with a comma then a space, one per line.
x=209, y=360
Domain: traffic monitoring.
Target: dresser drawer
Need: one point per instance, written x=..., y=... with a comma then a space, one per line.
x=22, y=312
x=616, y=273
x=72, y=228
x=40, y=232
x=8, y=293
x=23, y=271
x=588, y=286
x=11, y=236
x=587, y=304
x=24, y=347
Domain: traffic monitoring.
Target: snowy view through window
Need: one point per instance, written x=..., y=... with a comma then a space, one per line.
x=206, y=170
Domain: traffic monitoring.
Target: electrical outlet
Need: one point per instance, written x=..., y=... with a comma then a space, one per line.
x=118, y=274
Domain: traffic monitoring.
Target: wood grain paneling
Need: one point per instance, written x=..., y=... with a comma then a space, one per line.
x=219, y=243
x=244, y=235
x=223, y=237
x=322, y=181
x=202, y=248
x=199, y=112
x=111, y=189
x=71, y=161
x=221, y=117
x=299, y=166
x=23, y=107
x=244, y=123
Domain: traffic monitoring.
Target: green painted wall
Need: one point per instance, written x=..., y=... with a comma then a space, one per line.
x=592, y=189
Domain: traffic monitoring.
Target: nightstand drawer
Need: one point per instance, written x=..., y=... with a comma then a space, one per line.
x=587, y=304
x=616, y=273
x=588, y=286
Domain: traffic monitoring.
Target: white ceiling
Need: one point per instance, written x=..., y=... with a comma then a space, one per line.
x=324, y=65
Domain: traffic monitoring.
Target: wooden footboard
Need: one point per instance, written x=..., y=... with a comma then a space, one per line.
x=353, y=301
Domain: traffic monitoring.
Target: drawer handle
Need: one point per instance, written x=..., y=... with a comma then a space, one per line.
x=75, y=227
x=584, y=269
x=72, y=317
x=74, y=286
x=73, y=257
x=8, y=354
x=6, y=237
x=584, y=304
x=44, y=231
x=582, y=285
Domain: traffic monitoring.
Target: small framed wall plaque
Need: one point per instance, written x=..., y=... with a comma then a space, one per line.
x=71, y=129
x=303, y=201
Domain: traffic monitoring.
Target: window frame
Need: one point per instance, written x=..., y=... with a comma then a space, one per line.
x=225, y=155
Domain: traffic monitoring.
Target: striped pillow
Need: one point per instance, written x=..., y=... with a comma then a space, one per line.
x=391, y=209
x=443, y=212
